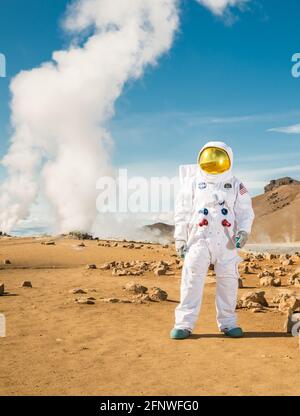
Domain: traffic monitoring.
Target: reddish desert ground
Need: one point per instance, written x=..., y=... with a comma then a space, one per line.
x=56, y=345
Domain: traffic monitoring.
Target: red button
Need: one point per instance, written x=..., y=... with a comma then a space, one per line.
x=203, y=223
x=225, y=223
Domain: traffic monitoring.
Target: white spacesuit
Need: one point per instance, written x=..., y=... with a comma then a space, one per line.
x=213, y=217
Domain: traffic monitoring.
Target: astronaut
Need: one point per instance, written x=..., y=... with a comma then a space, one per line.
x=213, y=219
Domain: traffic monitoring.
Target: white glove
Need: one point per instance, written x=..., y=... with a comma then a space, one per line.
x=241, y=239
x=181, y=247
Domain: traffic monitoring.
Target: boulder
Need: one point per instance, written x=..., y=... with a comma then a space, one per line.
x=115, y=300
x=270, y=256
x=77, y=291
x=282, y=295
x=287, y=262
x=270, y=281
x=250, y=299
x=27, y=283
x=161, y=268
x=2, y=289
x=135, y=288
x=119, y=272
x=294, y=279
x=134, y=273
x=156, y=294
x=289, y=303
x=91, y=266
x=266, y=273
x=85, y=301
x=105, y=266
x=160, y=271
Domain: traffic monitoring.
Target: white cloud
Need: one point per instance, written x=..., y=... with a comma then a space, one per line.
x=294, y=129
x=219, y=7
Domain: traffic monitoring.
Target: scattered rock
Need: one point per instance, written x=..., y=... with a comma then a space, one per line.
x=117, y=272
x=115, y=300
x=257, y=309
x=135, y=288
x=160, y=271
x=285, y=256
x=91, y=266
x=287, y=262
x=2, y=289
x=105, y=266
x=157, y=294
x=161, y=268
x=294, y=279
x=81, y=245
x=253, y=300
x=77, y=291
x=282, y=295
x=49, y=243
x=247, y=258
x=241, y=285
x=259, y=256
x=270, y=281
x=270, y=256
x=6, y=261
x=287, y=303
x=266, y=273
x=86, y=301
x=143, y=298
x=27, y=283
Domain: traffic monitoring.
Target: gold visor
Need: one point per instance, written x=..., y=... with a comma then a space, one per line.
x=214, y=160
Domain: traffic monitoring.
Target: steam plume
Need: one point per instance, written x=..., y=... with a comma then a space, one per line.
x=59, y=111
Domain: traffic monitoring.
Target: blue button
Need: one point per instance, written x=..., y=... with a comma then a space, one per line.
x=224, y=211
x=203, y=211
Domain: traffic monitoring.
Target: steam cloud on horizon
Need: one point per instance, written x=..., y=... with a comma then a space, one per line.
x=60, y=144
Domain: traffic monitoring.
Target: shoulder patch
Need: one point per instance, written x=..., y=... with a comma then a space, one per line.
x=202, y=185
x=242, y=189
x=227, y=186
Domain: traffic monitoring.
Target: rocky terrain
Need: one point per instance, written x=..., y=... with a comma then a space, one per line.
x=93, y=317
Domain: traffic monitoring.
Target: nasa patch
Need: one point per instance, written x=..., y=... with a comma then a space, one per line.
x=202, y=185
x=227, y=186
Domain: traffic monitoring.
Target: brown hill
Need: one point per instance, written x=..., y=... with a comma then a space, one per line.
x=276, y=215
x=160, y=230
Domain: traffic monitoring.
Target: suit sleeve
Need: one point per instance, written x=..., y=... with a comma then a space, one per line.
x=244, y=213
x=183, y=210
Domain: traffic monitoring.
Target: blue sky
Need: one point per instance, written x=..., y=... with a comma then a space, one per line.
x=219, y=81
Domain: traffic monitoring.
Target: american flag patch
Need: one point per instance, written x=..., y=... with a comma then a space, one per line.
x=243, y=190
